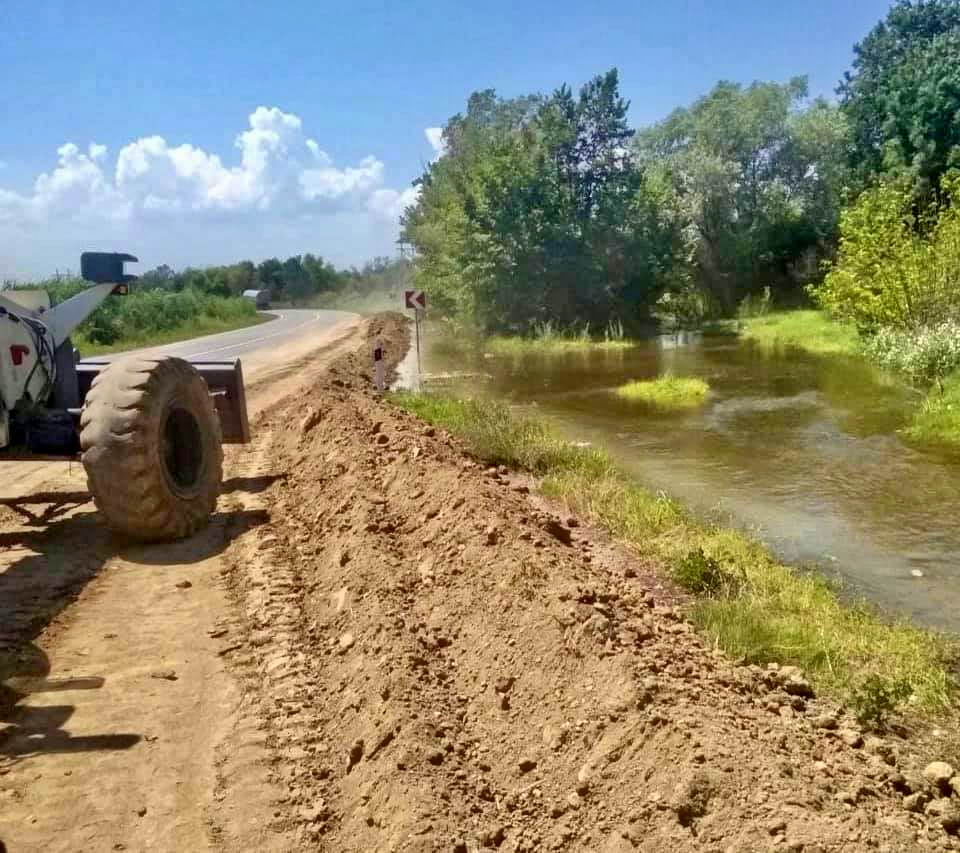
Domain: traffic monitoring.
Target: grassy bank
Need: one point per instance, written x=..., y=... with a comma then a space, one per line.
x=748, y=603
x=811, y=331
x=937, y=421
x=666, y=392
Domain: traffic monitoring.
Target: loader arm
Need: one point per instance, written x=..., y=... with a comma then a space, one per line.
x=65, y=317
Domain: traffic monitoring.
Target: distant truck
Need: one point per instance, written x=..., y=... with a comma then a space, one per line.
x=261, y=298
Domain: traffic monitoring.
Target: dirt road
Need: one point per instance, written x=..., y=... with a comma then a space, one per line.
x=124, y=728
x=382, y=644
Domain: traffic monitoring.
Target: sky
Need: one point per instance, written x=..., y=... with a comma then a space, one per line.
x=197, y=132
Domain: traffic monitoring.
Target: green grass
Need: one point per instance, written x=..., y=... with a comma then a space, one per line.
x=811, y=331
x=666, y=392
x=756, y=607
x=196, y=328
x=937, y=422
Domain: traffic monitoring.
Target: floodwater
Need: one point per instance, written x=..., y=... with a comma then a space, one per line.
x=801, y=451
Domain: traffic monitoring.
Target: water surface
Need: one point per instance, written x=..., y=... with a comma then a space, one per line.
x=800, y=450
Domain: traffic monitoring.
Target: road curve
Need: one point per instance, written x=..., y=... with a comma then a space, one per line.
x=289, y=326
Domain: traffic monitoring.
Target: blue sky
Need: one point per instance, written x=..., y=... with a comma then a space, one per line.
x=164, y=90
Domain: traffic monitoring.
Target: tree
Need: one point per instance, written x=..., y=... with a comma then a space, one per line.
x=297, y=283
x=323, y=276
x=538, y=212
x=758, y=175
x=901, y=93
x=890, y=272
x=269, y=275
x=241, y=277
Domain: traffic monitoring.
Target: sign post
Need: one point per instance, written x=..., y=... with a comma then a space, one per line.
x=416, y=301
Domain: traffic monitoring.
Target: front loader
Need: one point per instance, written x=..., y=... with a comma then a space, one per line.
x=148, y=429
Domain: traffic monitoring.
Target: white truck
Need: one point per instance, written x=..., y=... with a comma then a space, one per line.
x=148, y=430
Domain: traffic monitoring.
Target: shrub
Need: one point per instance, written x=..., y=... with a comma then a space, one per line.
x=898, y=266
x=704, y=575
x=876, y=698
x=925, y=356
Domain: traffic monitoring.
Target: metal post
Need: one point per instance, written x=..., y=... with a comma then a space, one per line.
x=419, y=368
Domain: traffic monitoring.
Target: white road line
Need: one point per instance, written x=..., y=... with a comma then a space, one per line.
x=313, y=319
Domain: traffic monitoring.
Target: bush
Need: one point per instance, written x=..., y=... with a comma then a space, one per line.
x=926, y=356
x=876, y=698
x=897, y=266
x=704, y=575
x=146, y=313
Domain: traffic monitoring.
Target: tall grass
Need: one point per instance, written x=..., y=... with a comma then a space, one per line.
x=761, y=610
x=810, y=331
x=547, y=338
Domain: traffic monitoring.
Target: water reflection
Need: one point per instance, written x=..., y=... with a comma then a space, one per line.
x=802, y=450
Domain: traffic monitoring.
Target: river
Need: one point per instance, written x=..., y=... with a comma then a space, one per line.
x=800, y=450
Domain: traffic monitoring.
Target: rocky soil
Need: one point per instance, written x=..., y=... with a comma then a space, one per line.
x=444, y=663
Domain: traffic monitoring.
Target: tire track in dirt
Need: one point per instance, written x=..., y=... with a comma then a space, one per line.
x=130, y=729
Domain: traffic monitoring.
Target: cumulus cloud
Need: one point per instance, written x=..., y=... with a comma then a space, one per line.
x=279, y=168
x=277, y=177
x=435, y=138
x=391, y=204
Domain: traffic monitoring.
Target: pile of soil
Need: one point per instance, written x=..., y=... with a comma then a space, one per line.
x=442, y=663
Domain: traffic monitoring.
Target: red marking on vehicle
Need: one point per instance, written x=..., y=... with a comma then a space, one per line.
x=17, y=352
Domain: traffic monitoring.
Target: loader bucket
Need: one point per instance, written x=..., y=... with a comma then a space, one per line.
x=225, y=381
x=223, y=378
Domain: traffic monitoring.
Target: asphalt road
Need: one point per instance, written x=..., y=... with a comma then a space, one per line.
x=290, y=325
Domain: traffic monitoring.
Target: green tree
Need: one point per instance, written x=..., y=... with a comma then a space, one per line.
x=270, y=276
x=758, y=175
x=902, y=96
x=324, y=276
x=297, y=283
x=538, y=212
x=241, y=277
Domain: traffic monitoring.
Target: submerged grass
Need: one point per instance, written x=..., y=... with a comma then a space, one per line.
x=512, y=346
x=751, y=605
x=666, y=392
x=811, y=331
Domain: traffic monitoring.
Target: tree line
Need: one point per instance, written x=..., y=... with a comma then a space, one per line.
x=297, y=280
x=552, y=209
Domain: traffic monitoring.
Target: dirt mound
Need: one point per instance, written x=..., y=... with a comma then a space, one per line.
x=444, y=665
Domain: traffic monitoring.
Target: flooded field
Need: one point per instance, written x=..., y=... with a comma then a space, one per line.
x=802, y=451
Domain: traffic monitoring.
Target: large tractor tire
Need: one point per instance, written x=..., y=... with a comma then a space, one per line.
x=150, y=437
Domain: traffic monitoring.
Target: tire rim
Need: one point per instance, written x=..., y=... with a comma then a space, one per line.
x=182, y=451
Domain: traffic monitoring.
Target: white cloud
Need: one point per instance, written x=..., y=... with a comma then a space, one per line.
x=435, y=138
x=280, y=177
x=391, y=204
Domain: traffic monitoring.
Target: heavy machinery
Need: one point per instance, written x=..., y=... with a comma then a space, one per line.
x=148, y=430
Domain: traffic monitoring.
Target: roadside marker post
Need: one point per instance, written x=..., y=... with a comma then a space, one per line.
x=416, y=301
x=378, y=366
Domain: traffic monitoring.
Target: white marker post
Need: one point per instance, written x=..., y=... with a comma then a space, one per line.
x=378, y=366
x=416, y=301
